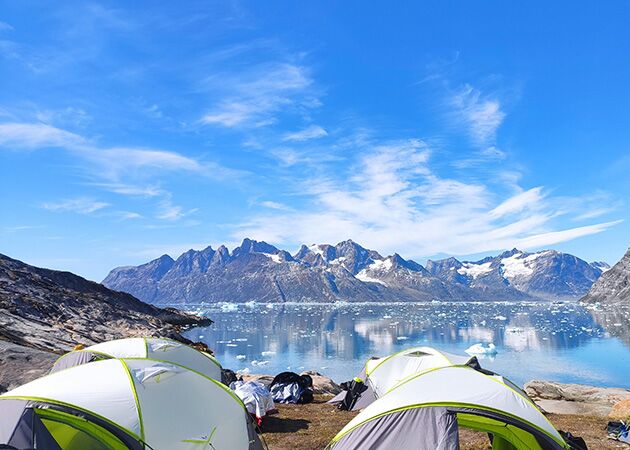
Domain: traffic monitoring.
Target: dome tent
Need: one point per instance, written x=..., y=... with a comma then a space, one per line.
x=379, y=375
x=158, y=349
x=125, y=404
x=425, y=411
x=384, y=373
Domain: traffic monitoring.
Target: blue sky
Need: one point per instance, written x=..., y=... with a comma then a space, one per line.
x=427, y=128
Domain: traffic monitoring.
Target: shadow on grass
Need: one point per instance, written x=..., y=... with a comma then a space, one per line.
x=273, y=424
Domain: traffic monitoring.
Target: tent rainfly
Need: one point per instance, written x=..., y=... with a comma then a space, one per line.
x=158, y=349
x=381, y=374
x=425, y=411
x=125, y=404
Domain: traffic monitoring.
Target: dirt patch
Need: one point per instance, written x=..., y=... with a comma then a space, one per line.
x=312, y=426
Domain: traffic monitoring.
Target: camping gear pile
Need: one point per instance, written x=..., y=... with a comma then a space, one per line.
x=135, y=394
x=619, y=431
x=289, y=387
x=424, y=389
x=256, y=398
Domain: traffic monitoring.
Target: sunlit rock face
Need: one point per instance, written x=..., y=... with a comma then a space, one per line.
x=257, y=271
x=514, y=275
x=614, y=284
x=44, y=311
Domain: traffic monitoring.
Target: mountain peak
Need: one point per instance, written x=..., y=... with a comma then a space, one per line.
x=258, y=270
x=509, y=253
x=253, y=246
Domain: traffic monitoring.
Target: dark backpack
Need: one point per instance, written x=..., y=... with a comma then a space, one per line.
x=575, y=442
x=228, y=376
x=353, y=389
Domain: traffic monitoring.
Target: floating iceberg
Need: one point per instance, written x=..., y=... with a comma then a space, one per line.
x=259, y=363
x=229, y=307
x=481, y=349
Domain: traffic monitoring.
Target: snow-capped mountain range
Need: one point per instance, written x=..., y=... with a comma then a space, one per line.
x=257, y=271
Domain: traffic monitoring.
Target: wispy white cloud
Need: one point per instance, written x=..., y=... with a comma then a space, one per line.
x=113, y=162
x=130, y=189
x=481, y=115
x=127, y=215
x=274, y=205
x=311, y=132
x=70, y=115
x=80, y=205
x=530, y=199
x=167, y=210
x=19, y=228
x=252, y=98
x=5, y=26
x=122, y=170
x=393, y=199
x=596, y=212
x=37, y=135
x=555, y=237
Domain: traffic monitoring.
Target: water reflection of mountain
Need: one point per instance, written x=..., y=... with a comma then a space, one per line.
x=352, y=332
x=615, y=320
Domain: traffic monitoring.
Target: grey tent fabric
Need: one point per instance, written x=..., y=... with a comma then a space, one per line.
x=31, y=433
x=73, y=359
x=254, y=439
x=10, y=416
x=429, y=428
x=21, y=427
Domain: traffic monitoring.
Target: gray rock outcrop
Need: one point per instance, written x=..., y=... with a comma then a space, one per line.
x=46, y=312
x=560, y=398
x=614, y=284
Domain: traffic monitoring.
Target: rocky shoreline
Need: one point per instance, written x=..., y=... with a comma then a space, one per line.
x=581, y=400
x=45, y=313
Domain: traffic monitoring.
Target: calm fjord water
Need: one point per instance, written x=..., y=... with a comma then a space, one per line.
x=556, y=341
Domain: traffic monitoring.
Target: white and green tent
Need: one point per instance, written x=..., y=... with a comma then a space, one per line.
x=381, y=374
x=384, y=373
x=117, y=404
x=426, y=410
x=158, y=349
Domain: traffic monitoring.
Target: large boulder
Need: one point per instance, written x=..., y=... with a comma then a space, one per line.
x=560, y=398
x=621, y=410
x=263, y=379
x=322, y=384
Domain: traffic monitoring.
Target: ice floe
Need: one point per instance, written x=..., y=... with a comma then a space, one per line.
x=481, y=349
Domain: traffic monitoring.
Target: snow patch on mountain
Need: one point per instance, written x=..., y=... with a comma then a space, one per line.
x=474, y=270
x=315, y=248
x=515, y=266
x=521, y=264
x=274, y=257
x=363, y=276
x=380, y=265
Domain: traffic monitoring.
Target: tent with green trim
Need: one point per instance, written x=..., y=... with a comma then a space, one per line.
x=385, y=373
x=380, y=374
x=426, y=410
x=159, y=349
x=133, y=404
